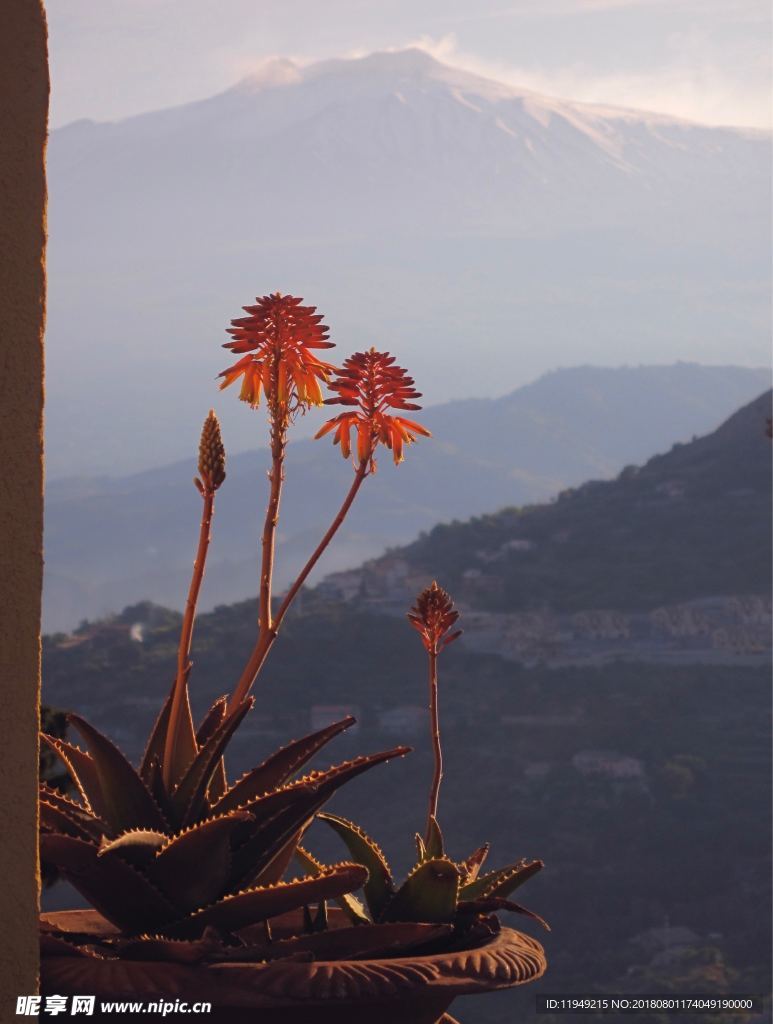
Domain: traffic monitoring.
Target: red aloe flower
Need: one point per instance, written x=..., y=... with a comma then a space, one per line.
x=372, y=383
x=278, y=335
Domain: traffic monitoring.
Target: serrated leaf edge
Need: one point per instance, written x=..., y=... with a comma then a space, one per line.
x=130, y=867
x=331, y=869
x=163, y=817
x=236, y=816
x=57, y=743
x=109, y=846
x=369, y=842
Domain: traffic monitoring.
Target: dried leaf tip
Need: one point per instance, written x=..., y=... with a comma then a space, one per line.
x=211, y=455
x=433, y=616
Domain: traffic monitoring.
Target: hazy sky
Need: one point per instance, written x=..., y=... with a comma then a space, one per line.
x=703, y=59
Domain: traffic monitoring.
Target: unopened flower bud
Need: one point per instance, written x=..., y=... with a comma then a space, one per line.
x=211, y=454
x=433, y=616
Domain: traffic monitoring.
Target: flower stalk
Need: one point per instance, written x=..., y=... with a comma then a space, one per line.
x=433, y=616
x=180, y=744
x=277, y=336
x=437, y=750
x=267, y=637
x=268, y=543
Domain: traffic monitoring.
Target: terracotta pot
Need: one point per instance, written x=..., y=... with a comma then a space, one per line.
x=411, y=990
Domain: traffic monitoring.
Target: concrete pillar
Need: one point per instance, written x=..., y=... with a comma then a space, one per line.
x=23, y=125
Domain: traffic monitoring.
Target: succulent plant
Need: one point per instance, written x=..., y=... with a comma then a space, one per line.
x=438, y=889
x=176, y=864
x=188, y=867
x=169, y=851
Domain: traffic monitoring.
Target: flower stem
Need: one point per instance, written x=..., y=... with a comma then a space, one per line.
x=276, y=479
x=267, y=637
x=435, y=729
x=180, y=711
x=359, y=476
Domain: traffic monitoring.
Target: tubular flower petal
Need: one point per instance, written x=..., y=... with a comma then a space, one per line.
x=433, y=616
x=278, y=334
x=373, y=385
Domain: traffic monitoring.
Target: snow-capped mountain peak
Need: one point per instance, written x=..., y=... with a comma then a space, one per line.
x=424, y=207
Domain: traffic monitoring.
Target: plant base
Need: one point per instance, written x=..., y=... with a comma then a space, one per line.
x=408, y=990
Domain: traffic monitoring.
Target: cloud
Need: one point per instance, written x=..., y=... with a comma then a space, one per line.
x=693, y=82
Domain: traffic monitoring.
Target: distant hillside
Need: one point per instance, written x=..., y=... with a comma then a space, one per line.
x=113, y=541
x=692, y=523
x=690, y=526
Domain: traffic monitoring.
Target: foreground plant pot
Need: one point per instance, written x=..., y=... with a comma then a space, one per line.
x=411, y=990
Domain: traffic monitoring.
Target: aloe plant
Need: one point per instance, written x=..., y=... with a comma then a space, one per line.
x=135, y=850
x=438, y=889
x=169, y=852
x=188, y=867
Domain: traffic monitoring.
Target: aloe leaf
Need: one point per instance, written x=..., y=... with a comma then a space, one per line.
x=82, y=771
x=77, y=814
x=379, y=887
x=57, y=820
x=181, y=724
x=154, y=750
x=218, y=784
x=434, y=840
x=489, y=904
x=128, y=802
x=328, y=781
x=429, y=893
x=193, y=866
x=501, y=882
x=138, y=846
x=188, y=797
x=155, y=783
x=118, y=891
x=276, y=867
x=472, y=865
x=212, y=720
x=421, y=849
x=277, y=769
x=349, y=903
x=178, y=951
x=279, y=814
x=253, y=905
x=513, y=880
x=275, y=814
x=257, y=855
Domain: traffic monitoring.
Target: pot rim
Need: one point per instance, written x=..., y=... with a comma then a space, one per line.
x=508, y=959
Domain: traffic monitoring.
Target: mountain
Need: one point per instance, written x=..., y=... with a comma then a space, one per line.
x=483, y=233
x=116, y=540
x=691, y=525
x=676, y=552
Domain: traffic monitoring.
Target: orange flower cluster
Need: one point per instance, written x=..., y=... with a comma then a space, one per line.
x=278, y=334
x=373, y=383
x=432, y=616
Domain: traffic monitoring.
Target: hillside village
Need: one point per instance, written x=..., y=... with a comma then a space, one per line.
x=721, y=630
